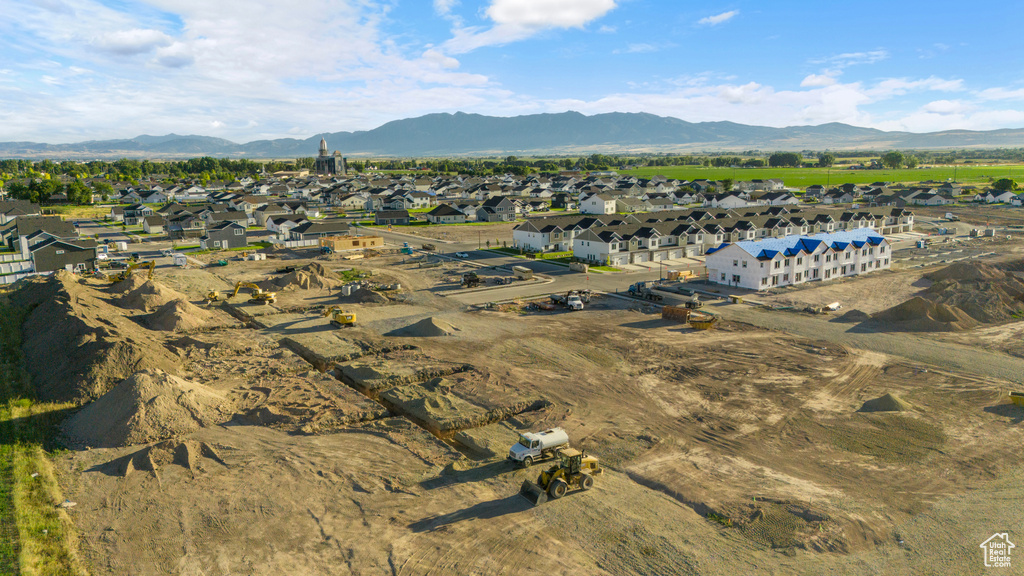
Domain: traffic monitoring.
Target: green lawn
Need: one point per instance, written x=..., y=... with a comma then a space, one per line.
x=36, y=536
x=803, y=177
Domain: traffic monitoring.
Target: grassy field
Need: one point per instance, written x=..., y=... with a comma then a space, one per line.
x=803, y=177
x=36, y=535
x=78, y=212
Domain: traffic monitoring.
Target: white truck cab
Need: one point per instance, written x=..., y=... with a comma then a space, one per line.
x=574, y=303
x=534, y=446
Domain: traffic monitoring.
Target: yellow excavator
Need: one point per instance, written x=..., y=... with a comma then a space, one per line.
x=124, y=274
x=339, y=317
x=258, y=294
x=574, y=470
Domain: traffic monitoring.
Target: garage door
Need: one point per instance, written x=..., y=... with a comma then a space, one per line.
x=675, y=254
x=640, y=258
x=618, y=261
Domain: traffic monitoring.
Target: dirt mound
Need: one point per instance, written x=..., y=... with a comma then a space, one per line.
x=854, y=316
x=311, y=277
x=77, y=345
x=426, y=327
x=365, y=296
x=178, y=315
x=149, y=406
x=964, y=271
x=189, y=454
x=149, y=296
x=129, y=284
x=921, y=315
x=887, y=403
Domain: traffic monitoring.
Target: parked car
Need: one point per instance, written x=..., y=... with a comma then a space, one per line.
x=462, y=255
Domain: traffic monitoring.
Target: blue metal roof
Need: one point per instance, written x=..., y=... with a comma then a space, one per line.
x=794, y=245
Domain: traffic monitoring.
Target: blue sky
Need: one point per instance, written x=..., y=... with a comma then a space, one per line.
x=73, y=70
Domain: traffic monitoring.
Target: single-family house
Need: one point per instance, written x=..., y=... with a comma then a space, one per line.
x=224, y=236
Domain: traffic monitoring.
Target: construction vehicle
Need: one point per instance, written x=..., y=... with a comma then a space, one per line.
x=326, y=250
x=573, y=299
x=429, y=247
x=258, y=294
x=535, y=446
x=702, y=320
x=212, y=296
x=470, y=280
x=644, y=290
x=339, y=317
x=694, y=302
x=575, y=470
x=131, y=268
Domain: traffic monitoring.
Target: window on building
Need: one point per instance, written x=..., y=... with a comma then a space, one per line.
x=240, y=232
x=863, y=267
x=723, y=276
x=744, y=263
x=762, y=265
x=764, y=281
x=735, y=279
x=785, y=277
x=797, y=277
x=735, y=263
x=864, y=252
x=799, y=261
x=60, y=252
x=817, y=257
x=778, y=264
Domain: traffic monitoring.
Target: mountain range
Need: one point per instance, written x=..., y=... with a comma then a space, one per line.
x=460, y=134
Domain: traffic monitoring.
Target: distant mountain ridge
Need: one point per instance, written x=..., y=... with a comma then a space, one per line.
x=563, y=133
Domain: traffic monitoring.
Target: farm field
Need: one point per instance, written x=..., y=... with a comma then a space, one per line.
x=803, y=177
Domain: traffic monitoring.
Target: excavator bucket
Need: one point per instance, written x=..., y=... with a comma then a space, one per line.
x=533, y=492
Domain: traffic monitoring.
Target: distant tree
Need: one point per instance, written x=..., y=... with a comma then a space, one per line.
x=892, y=159
x=754, y=163
x=1004, y=184
x=726, y=184
x=826, y=160
x=911, y=161
x=783, y=159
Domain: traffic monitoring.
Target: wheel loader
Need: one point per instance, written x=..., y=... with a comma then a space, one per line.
x=575, y=470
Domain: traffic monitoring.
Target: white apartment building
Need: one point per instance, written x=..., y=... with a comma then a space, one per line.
x=763, y=264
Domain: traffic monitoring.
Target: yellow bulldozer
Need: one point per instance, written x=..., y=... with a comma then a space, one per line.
x=124, y=274
x=258, y=294
x=575, y=470
x=339, y=317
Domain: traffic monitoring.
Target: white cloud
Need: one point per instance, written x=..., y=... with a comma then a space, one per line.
x=840, y=61
x=640, y=48
x=516, y=20
x=606, y=29
x=131, y=42
x=946, y=107
x=718, y=18
x=548, y=13
x=1002, y=94
x=817, y=80
x=444, y=7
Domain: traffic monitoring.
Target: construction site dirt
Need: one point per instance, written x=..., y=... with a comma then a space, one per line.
x=238, y=437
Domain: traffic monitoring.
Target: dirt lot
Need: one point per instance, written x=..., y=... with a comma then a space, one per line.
x=980, y=214
x=276, y=443
x=497, y=232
